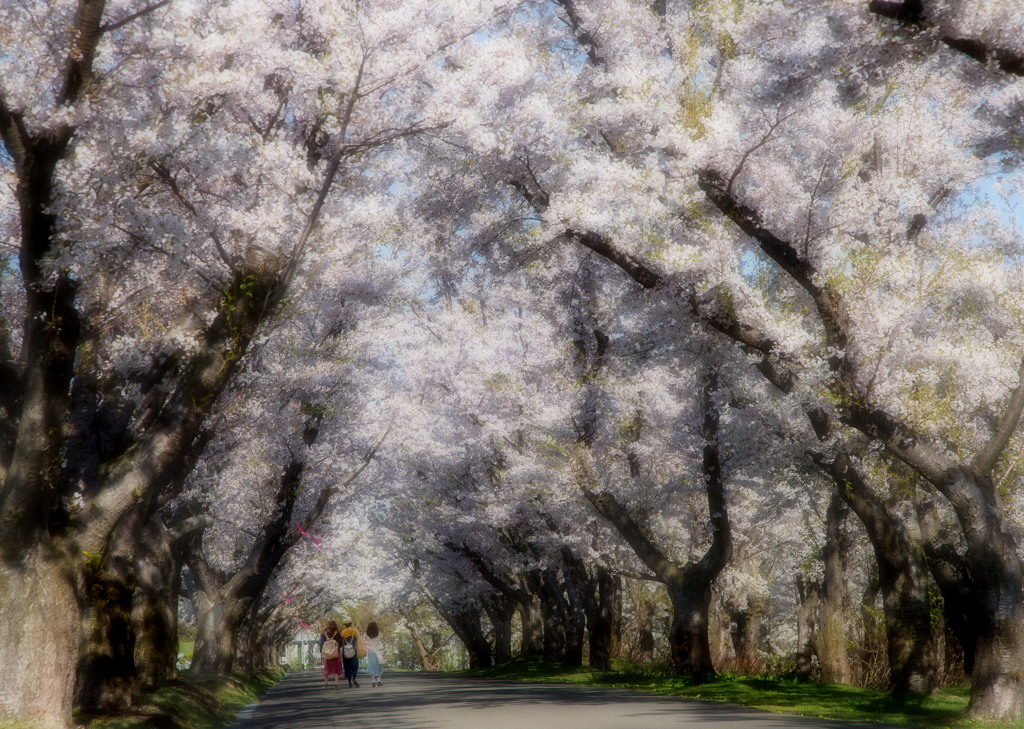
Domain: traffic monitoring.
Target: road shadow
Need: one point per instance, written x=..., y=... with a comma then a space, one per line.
x=440, y=701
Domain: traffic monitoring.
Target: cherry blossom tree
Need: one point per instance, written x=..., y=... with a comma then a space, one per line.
x=696, y=146
x=171, y=168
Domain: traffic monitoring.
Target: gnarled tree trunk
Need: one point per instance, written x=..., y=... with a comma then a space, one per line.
x=500, y=611
x=808, y=603
x=832, y=655
x=903, y=578
x=40, y=629
x=689, y=586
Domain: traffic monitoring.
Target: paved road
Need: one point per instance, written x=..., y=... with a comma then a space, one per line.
x=439, y=701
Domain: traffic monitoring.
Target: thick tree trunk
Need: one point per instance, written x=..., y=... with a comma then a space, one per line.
x=219, y=619
x=576, y=626
x=832, y=655
x=466, y=621
x=155, y=607
x=903, y=578
x=689, y=644
x=554, y=614
x=605, y=624
x=501, y=610
x=531, y=620
x=997, y=676
x=106, y=676
x=40, y=629
x=249, y=647
x=745, y=627
x=808, y=601
x=911, y=647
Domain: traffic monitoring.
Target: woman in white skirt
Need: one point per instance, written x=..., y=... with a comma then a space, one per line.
x=374, y=654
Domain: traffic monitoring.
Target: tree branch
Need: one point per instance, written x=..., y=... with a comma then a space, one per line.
x=488, y=574
x=115, y=24
x=79, y=74
x=985, y=461
x=648, y=552
x=912, y=15
x=720, y=551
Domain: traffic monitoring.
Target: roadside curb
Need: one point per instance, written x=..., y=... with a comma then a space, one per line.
x=245, y=713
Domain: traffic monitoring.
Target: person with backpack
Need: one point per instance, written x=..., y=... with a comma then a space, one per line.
x=349, y=649
x=330, y=647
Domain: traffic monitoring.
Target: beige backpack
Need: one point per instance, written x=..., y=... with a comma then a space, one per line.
x=330, y=647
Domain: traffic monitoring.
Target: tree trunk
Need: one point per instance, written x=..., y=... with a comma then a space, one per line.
x=576, y=625
x=219, y=619
x=808, y=600
x=106, y=676
x=745, y=627
x=531, y=621
x=832, y=656
x=466, y=621
x=997, y=676
x=554, y=613
x=689, y=644
x=428, y=658
x=40, y=629
x=903, y=578
x=501, y=610
x=155, y=606
x=605, y=624
x=689, y=586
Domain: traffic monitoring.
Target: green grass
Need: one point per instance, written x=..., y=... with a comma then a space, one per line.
x=780, y=695
x=190, y=703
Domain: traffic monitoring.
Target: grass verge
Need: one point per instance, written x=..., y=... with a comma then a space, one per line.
x=779, y=695
x=190, y=702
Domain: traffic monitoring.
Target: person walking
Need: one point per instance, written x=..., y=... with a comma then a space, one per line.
x=349, y=644
x=330, y=648
x=374, y=654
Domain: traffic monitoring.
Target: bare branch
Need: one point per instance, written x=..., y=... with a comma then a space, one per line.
x=115, y=24
x=985, y=461
x=779, y=119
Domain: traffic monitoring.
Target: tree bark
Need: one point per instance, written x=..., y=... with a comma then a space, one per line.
x=745, y=628
x=832, y=655
x=219, y=619
x=576, y=625
x=903, y=578
x=158, y=562
x=501, y=610
x=554, y=612
x=106, y=675
x=467, y=621
x=689, y=586
x=808, y=602
x=598, y=600
x=40, y=629
x=606, y=627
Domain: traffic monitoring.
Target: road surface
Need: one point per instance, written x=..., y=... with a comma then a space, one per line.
x=444, y=701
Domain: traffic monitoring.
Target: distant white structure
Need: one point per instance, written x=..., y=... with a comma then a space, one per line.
x=304, y=648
